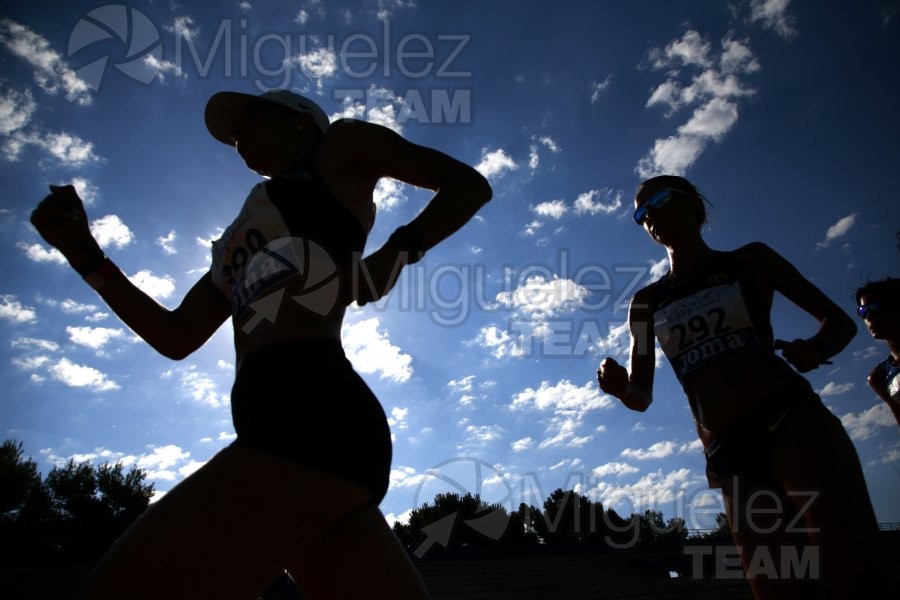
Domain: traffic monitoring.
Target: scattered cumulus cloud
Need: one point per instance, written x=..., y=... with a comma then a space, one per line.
x=837, y=230
x=51, y=73
x=94, y=337
x=657, y=450
x=698, y=77
x=13, y=310
x=597, y=89
x=773, y=14
x=371, y=351
x=554, y=209
x=864, y=425
x=496, y=163
x=594, y=202
x=110, y=231
x=835, y=389
x=154, y=286
x=166, y=242
x=75, y=375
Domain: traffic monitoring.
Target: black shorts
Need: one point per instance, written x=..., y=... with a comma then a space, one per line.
x=747, y=448
x=302, y=400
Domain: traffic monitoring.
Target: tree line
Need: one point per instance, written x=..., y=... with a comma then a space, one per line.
x=72, y=515
x=75, y=513
x=566, y=517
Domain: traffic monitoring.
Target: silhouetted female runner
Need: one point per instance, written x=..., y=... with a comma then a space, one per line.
x=878, y=304
x=300, y=486
x=792, y=483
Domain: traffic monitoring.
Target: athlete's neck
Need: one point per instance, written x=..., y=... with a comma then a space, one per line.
x=688, y=258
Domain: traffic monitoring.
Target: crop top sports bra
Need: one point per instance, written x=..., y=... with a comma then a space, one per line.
x=889, y=375
x=289, y=225
x=719, y=313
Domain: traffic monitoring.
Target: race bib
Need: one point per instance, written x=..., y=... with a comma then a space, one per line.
x=702, y=328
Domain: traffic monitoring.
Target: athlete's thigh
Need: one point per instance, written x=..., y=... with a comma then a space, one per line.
x=358, y=557
x=230, y=526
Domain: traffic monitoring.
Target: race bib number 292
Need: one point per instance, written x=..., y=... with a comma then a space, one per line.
x=704, y=327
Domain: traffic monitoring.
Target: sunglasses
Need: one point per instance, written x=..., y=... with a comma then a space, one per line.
x=656, y=201
x=863, y=310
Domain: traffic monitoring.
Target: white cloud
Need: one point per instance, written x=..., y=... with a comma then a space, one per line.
x=93, y=337
x=30, y=363
x=183, y=26
x=711, y=121
x=376, y=104
x=39, y=253
x=712, y=89
x=302, y=17
x=161, y=67
x=371, y=351
x=481, y=434
x=564, y=397
x=615, y=468
x=672, y=155
x=200, y=386
x=110, y=231
x=16, y=108
x=835, y=389
x=51, y=72
x=837, y=230
x=598, y=201
x=691, y=49
x=463, y=384
x=657, y=450
x=319, y=65
x=773, y=15
x=152, y=285
x=388, y=194
x=74, y=375
x=68, y=148
x=658, y=268
x=597, y=89
x=406, y=477
x=496, y=163
x=555, y=209
x=27, y=343
x=737, y=56
x=539, y=297
x=397, y=420
x=864, y=425
x=166, y=243
x=85, y=190
x=499, y=343
x=522, y=445
x=652, y=490
x=13, y=310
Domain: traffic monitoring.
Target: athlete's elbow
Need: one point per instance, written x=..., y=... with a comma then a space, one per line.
x=173, y=347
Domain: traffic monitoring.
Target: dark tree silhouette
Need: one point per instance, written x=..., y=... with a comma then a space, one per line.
x=568, y=517
x=73, y=515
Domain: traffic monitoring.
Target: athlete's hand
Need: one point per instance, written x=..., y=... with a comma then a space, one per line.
x=613, y=378
x=62, y=222
x=375, y=275
x=802, y=354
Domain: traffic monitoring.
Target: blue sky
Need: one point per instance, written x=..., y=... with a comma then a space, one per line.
x=484, y=356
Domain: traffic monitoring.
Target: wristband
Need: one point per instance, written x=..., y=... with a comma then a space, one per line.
x=104, y=272
x=410, y=240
